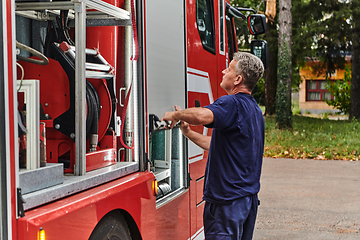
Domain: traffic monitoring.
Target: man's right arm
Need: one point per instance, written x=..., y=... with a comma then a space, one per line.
x=194, y=116
x=197, y=138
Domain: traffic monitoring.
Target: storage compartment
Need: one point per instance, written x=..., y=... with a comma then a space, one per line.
x=167, y=159
x=38, y=179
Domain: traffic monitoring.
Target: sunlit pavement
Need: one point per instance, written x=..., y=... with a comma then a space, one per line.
x=309, y=199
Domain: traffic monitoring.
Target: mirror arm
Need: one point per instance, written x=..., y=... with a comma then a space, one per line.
x=234, y=12
x=246, y=9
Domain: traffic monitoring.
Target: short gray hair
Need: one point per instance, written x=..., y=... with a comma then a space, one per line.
x=249, y=67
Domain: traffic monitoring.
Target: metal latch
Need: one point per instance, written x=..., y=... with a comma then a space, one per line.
x=188, y=180
x=20, y=203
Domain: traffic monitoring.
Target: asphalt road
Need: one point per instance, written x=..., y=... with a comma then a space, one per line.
x=309, y=199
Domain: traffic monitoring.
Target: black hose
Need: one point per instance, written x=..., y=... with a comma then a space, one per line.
x=89, y=112
x=64, y=26
x=93, y=110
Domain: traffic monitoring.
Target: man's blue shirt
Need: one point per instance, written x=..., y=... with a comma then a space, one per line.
x=236, y=151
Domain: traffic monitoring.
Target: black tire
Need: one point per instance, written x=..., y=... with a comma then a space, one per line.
x=112, y=227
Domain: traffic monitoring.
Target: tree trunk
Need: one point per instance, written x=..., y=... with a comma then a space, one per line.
x=355, y=67
x=285, y=31
x=355, y=83
x=283, y=95
x=271, y=72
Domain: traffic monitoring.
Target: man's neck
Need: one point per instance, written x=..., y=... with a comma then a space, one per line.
x=239, y=89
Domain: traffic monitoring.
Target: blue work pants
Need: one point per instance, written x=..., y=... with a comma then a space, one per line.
x=234, y=221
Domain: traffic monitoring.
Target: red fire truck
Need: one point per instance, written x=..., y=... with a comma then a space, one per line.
x=83, y=85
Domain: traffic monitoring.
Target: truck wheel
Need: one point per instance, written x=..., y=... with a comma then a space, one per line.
x=111, y=227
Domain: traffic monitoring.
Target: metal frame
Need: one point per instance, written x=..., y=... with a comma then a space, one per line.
x=109, y=10
x=32, y=100
x=80, y=90
x=80, y=13
x=164, y=166
x=142, y=117
x=128, y=71
x=9, y=179
x=5, y=222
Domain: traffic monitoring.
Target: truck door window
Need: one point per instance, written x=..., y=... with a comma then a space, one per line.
x=168, y=160
x=221, y=29
x=205, y=24
x=230, y=36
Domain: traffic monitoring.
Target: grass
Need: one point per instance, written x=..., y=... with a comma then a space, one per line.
x=295, y=107
x=313, y=138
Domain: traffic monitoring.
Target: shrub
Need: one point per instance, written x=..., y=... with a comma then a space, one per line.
x=341, y=91
x=259, y=92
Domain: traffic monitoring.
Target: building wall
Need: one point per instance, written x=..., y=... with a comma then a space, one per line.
x=307, y=75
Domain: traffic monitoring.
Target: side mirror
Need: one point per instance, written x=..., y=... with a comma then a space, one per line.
x=257, y=24
x=260, y=49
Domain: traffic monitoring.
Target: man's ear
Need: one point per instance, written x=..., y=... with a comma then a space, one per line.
x=238, y=80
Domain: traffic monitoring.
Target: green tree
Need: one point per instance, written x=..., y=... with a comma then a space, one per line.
x=337, y=31
x=271, y=37
x=265, y=90
x=242, y=30
x=244, y=43
x=328, y=30
x=341, y=91
x=331, y=32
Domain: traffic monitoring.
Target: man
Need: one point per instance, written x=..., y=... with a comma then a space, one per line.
x=232, y=175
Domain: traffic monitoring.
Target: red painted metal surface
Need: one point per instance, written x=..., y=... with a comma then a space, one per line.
x=76, y=216
x=198, y=58
x=105, y=39
x=196, y=170
x=8, y=31
x=57, y=102
x=101, y=158
x=210, y=66
x=55, y=94
x=204, y=100
x=172, y=220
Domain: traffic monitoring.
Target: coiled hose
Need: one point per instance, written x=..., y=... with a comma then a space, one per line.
x=93, y=115
x=93, y=110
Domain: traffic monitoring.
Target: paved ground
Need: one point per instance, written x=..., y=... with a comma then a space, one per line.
x=329, y=116
x=309, y=199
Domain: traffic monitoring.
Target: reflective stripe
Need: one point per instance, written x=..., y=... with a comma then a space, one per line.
x=198, y=81
x=199, y=235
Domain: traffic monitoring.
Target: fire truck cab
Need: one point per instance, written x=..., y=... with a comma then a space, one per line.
x=83, y=85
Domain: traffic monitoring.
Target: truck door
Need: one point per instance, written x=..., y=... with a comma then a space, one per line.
x=8, y=139
x=165, y=75
x=210, y=46
x=206, y=56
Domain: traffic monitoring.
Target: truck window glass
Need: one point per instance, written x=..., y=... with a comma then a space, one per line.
x=221, y=29
x=230, y=35
x=168, y=160
x=205, y=24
